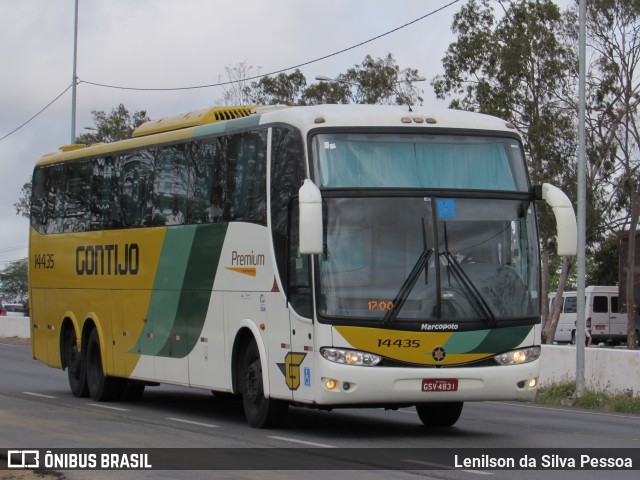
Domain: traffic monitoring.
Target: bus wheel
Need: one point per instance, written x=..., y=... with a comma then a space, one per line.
x=75, y=366
x=261, y=412
x=439, y=414
x=101, y=388
x=132, y=391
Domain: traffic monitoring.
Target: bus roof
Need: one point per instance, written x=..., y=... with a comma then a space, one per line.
x=229, y=119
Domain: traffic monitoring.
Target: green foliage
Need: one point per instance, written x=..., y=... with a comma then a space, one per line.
x=564, y=393
x=118, y=125
x=23, y=205
x=282, y=89
x=374, y=81
x=13, y=281
x=556, y=393
x=603, y=267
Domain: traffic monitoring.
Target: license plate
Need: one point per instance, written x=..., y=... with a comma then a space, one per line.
x=440, y=385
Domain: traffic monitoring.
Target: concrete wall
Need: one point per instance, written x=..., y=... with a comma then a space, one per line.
x=15, y=327
x=606, y=369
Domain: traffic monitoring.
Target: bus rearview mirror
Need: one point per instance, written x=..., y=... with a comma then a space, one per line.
x=566, y=225
x=310, y=203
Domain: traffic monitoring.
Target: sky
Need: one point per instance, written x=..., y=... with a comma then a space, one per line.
x=171, y=44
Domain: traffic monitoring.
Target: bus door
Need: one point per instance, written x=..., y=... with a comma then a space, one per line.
x=300, y=364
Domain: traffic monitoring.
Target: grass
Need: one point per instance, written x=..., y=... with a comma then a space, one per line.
x=564, y=393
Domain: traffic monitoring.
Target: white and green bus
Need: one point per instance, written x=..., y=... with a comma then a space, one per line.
x=326, y=256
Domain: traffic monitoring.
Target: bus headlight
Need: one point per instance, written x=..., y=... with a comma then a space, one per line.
x=517, y=357
x=350, y=357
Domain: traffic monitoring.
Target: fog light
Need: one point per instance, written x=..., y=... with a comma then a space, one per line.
x=346, y=386
x=533, y=383
x=330, y=383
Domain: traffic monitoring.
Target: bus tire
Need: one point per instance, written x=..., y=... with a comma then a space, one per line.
x=101, y=387
x=132, y=391
x=261, y=412
x=443, y=414
x=74, y=364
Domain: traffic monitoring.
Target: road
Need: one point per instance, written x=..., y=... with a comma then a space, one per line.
x=38, y=411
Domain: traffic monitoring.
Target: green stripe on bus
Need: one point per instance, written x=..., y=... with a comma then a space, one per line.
x=196, y=290
x=165, y=296
x=503, y=339
x=465, y=342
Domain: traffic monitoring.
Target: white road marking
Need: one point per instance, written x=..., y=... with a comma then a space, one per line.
x=446, y=467
x=191, y=422
x=38, y=395
x=108, y=407
x=304, y=442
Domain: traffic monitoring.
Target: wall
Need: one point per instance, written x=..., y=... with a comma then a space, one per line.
x=606, y=369
x=15, y=327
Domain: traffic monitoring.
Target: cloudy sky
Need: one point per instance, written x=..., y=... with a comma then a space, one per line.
x=173, y=44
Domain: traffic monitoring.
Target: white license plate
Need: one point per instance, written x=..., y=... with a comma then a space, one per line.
x=439, y=384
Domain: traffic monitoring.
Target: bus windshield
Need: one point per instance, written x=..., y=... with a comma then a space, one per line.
x=419, y=161
x=426, y=258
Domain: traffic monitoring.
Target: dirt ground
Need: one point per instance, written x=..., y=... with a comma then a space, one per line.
x=16, y=341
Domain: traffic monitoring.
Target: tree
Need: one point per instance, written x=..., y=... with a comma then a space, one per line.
x=118, y=125
x=237, y=90
x=282, y=89
x=614, y=34
x=23, y=205
x=512, y=63
x=380, y=81
x=374, y=81
x=13, y=281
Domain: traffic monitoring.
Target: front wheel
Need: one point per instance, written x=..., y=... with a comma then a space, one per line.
x=443, y=414
x=261, y=412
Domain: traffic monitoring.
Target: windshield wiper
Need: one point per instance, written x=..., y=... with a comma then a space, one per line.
x=410, y=281
x=464, y=280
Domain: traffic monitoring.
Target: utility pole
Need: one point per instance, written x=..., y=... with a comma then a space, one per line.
x=582, y=200
x=74, y=79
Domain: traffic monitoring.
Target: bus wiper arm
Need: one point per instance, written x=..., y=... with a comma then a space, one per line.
x=469, y=286
x=407, y=286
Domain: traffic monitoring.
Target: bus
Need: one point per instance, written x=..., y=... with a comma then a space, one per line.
x=320, y=256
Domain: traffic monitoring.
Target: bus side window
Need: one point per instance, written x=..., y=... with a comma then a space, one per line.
x=170, y=186
x=246, y=198
x=55, y=191
x=78, y=197
x=38, y=200
x=299, y=273
x=136, y=188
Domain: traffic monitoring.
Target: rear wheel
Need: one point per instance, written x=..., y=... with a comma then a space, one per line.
x=75, y=366
x=261, y=412
x=439, y=414
x=132, y=391
x=101, y=387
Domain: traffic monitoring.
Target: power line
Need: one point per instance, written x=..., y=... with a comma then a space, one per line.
x=255, y=77
x=275, y=72
x=32, y=118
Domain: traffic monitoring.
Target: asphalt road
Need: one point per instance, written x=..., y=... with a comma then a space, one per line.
x=37, y=410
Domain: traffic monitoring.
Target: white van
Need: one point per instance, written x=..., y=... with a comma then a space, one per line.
x=604, y=322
